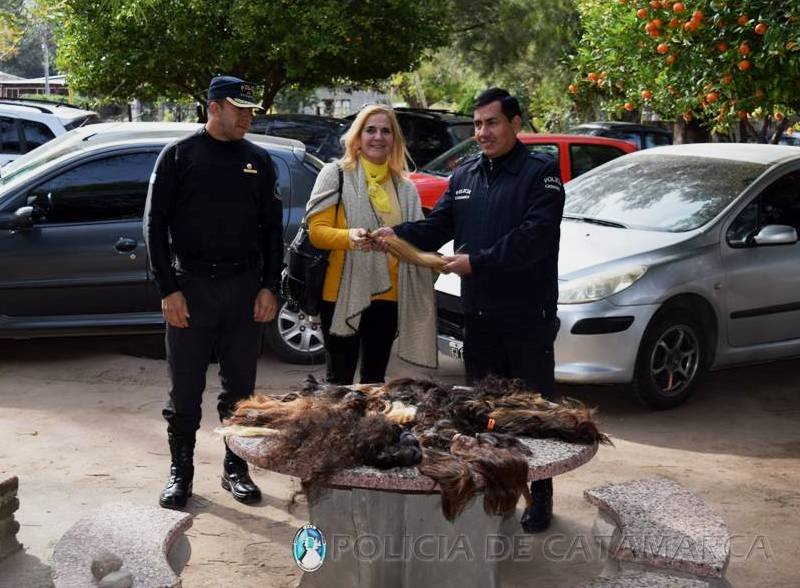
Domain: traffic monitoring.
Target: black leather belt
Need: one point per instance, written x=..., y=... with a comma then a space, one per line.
x=221, y=268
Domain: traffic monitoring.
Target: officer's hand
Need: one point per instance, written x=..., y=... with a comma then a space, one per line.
x=457, y=264
x=377, y=238
x=175, y=310
x=266, y=306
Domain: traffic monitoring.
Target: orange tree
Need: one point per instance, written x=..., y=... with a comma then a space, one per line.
x=720, y=63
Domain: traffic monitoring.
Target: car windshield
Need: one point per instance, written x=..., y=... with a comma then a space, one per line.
x=33, y=160
x=452, y=158
x=659, y=192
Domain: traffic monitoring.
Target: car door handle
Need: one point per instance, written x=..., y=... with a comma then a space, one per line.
x=125, y=245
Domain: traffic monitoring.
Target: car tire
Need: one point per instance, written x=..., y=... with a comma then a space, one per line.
x=295, y=337
x=671, y=359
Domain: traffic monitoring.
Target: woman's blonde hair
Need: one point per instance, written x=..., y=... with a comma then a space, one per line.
x=397, y=158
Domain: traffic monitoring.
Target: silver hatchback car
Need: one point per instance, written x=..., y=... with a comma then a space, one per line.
x=675, y=260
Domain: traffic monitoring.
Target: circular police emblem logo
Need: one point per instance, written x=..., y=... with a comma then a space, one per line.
x=309, y=548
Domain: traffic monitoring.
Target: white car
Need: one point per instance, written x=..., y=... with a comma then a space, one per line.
x=27, y=124
x=672, y=261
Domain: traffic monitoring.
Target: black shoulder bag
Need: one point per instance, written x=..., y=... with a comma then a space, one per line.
x=304, y=274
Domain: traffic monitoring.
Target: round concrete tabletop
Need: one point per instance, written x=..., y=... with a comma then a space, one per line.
x=549, y=457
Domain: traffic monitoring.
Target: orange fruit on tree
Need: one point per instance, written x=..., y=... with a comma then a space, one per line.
x=656, y=4
x=743, y=20
x=646, y=94
x=727, y=78
x=572, y=88
x=671, y=58
x=628, y=106
x=697, y=15
x=744, y=48
x=673, y=23
x=591, y=76
x=654, y=33
x=744, y=65
x=778, y=116
x=722, y=46
x=662, y=48
x=712, y=97
x=690, y=26
x=641, y=13
x=760, y=28
x=679, y=8
x=656, y=22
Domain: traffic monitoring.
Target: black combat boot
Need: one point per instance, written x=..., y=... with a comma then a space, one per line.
x=537, y=518
x=236, y=479
x=179, y=487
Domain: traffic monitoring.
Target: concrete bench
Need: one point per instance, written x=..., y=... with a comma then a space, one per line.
x=646, y=580
x=657, y=526
x=9, y=503
x=120, y=544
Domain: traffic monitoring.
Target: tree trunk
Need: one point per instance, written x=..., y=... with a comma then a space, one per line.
x=274, y=80
x=783, y=124
x=690, y=132
x=268, y=97
x=201, y=110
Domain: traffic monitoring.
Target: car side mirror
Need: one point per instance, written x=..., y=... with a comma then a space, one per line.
x=22, y=218
x=776, y=235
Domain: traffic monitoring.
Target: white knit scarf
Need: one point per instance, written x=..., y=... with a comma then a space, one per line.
x=366, y=273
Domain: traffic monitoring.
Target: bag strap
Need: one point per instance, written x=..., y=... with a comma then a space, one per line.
x=341, y=185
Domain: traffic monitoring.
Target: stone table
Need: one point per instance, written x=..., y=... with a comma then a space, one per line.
x=386, y=528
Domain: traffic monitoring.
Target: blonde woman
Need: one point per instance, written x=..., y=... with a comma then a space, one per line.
x=369, y=297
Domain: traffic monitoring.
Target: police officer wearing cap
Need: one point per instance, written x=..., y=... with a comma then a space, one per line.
x=503, y=210
x=213, y=227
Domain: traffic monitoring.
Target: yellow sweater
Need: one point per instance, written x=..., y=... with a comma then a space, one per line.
x=329, y=233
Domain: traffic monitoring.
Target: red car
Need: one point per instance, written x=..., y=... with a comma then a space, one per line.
x=577, y=154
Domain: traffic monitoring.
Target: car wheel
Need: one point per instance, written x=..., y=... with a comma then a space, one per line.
x=296, y=337
x=671, y=359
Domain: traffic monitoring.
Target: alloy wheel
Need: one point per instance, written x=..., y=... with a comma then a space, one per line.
x=300, y=331
x=674, y=360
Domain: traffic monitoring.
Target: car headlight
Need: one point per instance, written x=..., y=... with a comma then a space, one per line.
x=598, y=286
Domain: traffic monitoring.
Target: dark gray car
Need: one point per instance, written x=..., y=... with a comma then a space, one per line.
x=71, y=249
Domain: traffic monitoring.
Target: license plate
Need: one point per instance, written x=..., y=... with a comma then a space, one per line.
x=456, y=349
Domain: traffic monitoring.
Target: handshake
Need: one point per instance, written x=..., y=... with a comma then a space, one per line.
x=385, y=240
x=366, y=240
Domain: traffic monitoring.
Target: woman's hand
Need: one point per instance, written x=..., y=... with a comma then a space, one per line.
x=359, y=239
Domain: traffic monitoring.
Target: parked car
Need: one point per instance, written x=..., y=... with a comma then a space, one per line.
x=322, y=135
x=27, y=124
x=643, y=136
x=672, y=261
x=787, y=139
x=71, y=247
x=576, y=155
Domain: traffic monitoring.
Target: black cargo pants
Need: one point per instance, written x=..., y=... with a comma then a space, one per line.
x=220, y=323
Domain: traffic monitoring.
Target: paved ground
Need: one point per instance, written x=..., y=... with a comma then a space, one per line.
x=80, y=425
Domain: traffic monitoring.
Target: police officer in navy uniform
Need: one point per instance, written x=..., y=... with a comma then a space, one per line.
x=213, y=227
x=503, y=210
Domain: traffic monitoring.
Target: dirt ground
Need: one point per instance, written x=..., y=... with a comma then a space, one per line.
x=80, y=425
